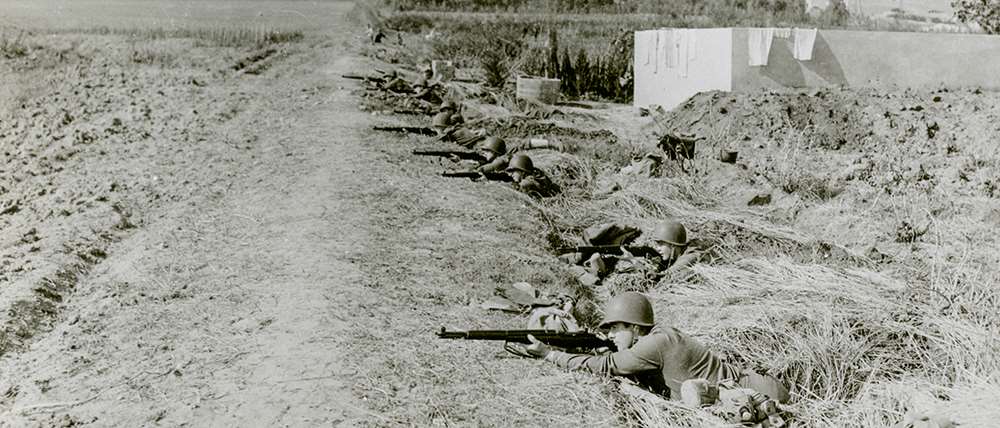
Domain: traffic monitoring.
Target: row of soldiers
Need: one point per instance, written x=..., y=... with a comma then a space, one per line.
x=493, y=159
x=662, y=359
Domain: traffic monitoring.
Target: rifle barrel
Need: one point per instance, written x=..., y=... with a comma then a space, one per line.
x=576, y=339
x=638, y=250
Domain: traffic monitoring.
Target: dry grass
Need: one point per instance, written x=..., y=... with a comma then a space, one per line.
x=860, y=343
x=228, y=36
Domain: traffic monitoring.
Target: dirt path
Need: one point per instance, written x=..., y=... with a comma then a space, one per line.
x=232, y=309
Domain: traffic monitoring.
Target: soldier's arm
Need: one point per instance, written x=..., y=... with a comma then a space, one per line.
x=643, y=356
x=496, y=165
x=685, y=261
x=530, y=186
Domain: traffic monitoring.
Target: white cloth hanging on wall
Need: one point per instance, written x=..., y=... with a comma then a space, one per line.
x=802, y=48
x=759, y=45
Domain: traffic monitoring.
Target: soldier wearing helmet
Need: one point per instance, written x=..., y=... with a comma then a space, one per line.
x=494, y=150
x=394, y=82
x=451, y=126
x=529, y=179
x=659, y=358
x=448, y=106
x=668, y=241
x=426, y=89
x=442, y=122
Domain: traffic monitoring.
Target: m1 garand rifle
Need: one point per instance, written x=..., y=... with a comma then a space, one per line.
x=475, y=175
x=360, y=77
x=588, y=250
x=421, y=130
x=567, y=340
x=473, y=156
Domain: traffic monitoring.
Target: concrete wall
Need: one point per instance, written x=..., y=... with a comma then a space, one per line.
x=709, y=67
x=873, y=58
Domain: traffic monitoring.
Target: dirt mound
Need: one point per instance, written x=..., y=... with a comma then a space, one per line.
x=885, y=138
x=819, y=145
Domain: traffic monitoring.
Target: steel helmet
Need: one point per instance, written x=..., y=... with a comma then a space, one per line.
x=495, y=145
x=448, y=105
x=520, y=162
x=441, y=120
x=671, y=232
x=629, y=307
x=456, y=118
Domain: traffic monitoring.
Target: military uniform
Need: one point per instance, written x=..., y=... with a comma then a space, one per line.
x=538, y=184
x=498, y=164
x=591, y=270
x=397, y=85
x=429, y=94
x=464, y=137
x=663, y=359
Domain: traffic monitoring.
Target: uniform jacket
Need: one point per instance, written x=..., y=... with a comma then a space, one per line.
x=660, y=361
x=538, y=184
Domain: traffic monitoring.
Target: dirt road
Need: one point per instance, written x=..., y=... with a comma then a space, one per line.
x=233, y=308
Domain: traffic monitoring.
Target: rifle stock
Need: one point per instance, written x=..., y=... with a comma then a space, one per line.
x=447, y=153
x=573, y=340
x=473, y=175
x=407, y=129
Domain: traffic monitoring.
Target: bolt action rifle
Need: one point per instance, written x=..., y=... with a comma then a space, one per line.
x=561, y=339
x=421, y=130
x=474, y=175
x=360, y=77
x=588, y=250
x=473, y=156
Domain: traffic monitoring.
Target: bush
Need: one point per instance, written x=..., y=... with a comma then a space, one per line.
x=495, y=68
x=596, y=72
x=836, y=14
x=985, y=13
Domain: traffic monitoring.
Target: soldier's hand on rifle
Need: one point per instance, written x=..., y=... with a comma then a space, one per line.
x=626, y=255
x=537, y=349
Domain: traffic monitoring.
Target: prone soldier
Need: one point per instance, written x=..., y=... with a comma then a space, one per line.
x=669, y=253
x=661, y=359
x=529, y=179
x=494, y=152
